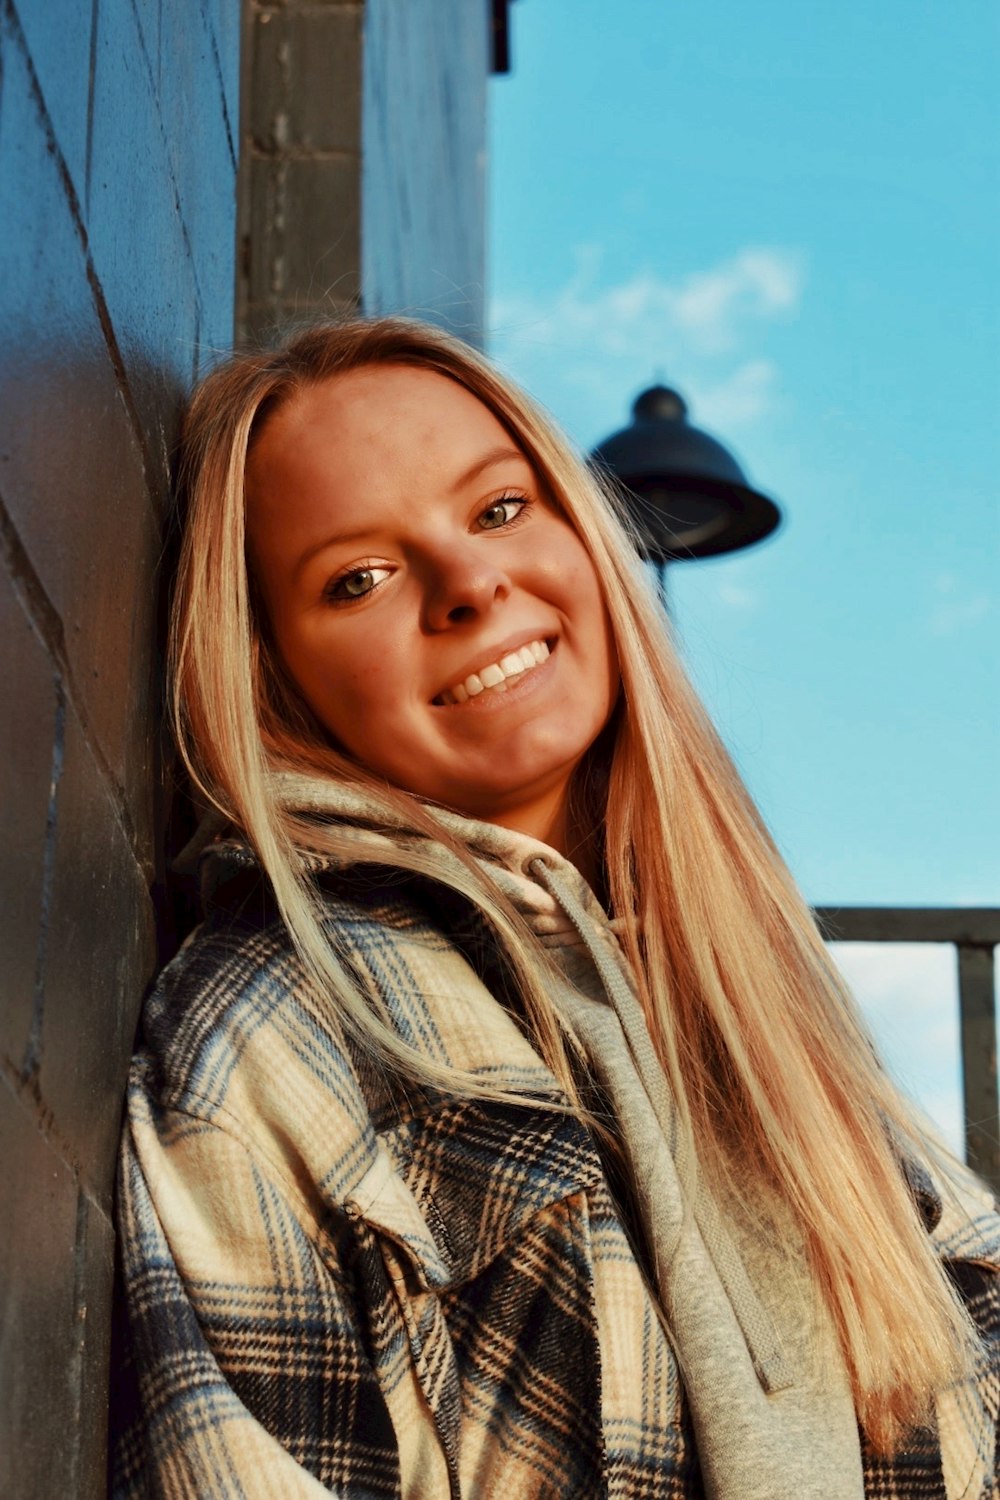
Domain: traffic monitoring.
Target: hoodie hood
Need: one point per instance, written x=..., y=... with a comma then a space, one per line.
x=367, y=833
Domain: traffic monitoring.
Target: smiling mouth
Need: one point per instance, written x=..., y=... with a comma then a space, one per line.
x=494, y=677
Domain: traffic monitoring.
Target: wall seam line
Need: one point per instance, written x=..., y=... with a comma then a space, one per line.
x=73, y=203
x=48, y=626
x=33, y=1050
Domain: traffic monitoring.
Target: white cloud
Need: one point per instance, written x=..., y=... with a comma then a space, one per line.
x=955, y=608
x=908, y=994
x=707, y=311
x=739, y=398
x=591, y=342
x=712, y=306
x=734, y=596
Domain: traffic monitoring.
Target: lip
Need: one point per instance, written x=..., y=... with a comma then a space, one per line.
x=484, y=657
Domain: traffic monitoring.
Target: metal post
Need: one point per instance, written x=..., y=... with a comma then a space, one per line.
x=977, y=1013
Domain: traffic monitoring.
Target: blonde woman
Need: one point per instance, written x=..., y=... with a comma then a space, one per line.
x=505, y=1129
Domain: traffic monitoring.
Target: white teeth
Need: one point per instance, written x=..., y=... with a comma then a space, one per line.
x=495, y=675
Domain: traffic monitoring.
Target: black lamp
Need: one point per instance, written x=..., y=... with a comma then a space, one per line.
x=686, y=493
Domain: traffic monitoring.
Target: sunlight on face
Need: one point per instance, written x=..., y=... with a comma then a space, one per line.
x=440, y=617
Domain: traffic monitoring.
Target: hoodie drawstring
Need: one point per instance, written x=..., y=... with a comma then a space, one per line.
x=754, y=1321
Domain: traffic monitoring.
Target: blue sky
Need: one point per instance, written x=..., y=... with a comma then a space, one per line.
x=793, y=214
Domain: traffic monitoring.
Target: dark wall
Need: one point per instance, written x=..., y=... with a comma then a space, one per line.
x=117, y=207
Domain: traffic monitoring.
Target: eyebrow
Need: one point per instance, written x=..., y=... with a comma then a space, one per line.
x=504, y=454
x=338, y=539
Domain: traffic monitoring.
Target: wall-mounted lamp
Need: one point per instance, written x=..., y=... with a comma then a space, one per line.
x=686, y=493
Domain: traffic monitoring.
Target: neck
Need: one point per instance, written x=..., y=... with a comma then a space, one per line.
x=556, y=822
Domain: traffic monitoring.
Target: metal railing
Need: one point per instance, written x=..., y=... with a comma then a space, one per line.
x=974, y=931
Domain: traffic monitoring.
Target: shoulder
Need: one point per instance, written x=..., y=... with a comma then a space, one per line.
x=966, y=1235
x=235, y=1045
x=967, y=1225
x=238, y=973
x=234, y=1036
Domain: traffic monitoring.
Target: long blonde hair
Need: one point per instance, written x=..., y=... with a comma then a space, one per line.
x=773, y=1073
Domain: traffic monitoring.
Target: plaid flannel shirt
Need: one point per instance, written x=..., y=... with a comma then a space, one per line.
x=330, y=1286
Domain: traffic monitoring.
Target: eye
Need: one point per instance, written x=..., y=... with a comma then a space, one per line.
x=355, y=584
x=502, y=512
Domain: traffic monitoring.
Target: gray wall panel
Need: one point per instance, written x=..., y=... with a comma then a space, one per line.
x=424, y=160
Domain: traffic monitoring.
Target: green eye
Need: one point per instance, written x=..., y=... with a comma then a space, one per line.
x=356, y=585
x=501, y=513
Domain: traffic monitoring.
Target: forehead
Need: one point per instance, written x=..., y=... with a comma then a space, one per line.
x=374, y=424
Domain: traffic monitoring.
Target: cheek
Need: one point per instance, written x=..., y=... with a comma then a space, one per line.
x=374, y=672
x=601, y=638
x=584, y=589
x=326, y=660
x=573, y=558
x=355, y=686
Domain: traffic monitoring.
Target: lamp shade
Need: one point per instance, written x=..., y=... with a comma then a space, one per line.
x=686, y=493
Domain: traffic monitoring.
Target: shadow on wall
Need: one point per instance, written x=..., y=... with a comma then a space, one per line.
x=116, y=275
x=81, y=529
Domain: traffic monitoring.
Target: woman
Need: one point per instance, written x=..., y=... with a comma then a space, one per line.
x=438, y=1180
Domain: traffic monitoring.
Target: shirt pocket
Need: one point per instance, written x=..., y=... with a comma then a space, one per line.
x=482, y=1217
x=454, y=1188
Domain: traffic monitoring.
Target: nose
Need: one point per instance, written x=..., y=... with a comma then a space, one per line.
x=463, y=583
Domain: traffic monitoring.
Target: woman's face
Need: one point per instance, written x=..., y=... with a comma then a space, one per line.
x=439, y=616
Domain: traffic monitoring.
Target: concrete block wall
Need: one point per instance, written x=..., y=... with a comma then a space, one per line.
x=117, y=201
x=300, y=193
x=363, y=161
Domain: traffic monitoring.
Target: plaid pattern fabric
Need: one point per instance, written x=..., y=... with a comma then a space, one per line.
x=331, y=1286
x=968, y=1239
